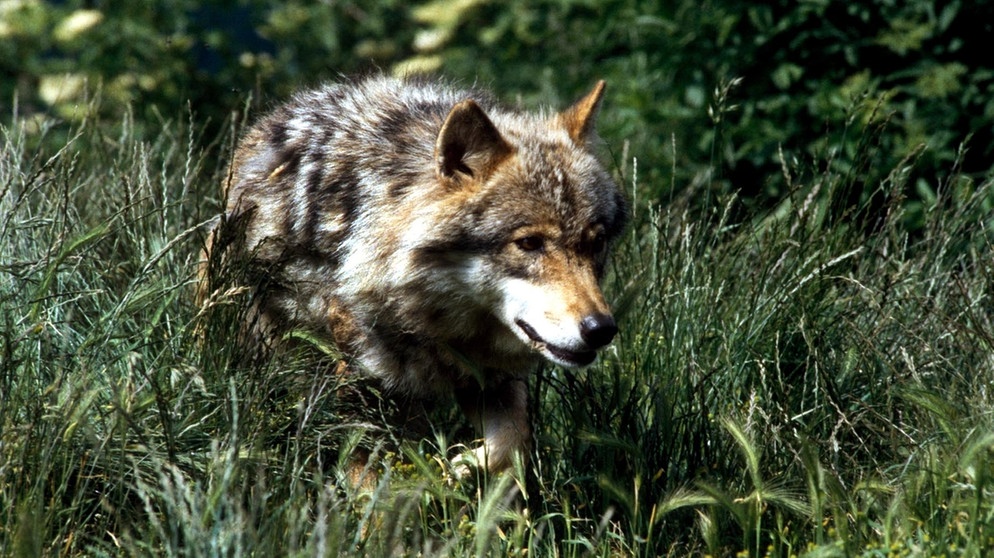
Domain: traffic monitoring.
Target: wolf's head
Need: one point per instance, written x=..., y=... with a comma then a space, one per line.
x=532, y=217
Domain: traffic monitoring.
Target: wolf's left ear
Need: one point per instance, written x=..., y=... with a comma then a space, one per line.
x=469, y=143
x=579, y=118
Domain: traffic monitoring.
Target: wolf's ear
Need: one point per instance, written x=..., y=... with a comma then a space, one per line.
x=469, y=143
x=579, y=118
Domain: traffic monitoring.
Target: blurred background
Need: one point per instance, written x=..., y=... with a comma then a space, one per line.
x=704, y=95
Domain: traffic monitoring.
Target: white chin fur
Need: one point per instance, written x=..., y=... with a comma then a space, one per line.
x=525, y=309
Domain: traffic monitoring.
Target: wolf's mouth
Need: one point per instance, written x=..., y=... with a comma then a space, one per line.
x=558, y=354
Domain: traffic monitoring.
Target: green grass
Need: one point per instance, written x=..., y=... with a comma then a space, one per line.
x=810, y=381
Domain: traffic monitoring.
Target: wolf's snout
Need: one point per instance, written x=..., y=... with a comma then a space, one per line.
x=598, y=330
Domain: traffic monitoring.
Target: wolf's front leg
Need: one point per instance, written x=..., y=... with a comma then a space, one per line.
x=500, y=414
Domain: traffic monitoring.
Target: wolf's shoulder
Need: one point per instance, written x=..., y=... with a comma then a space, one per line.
x=371, y=96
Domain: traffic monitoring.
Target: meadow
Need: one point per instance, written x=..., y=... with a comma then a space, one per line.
x=806, y=358
x=811, y=378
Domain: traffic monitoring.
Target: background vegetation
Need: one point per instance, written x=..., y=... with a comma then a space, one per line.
x=808, y=347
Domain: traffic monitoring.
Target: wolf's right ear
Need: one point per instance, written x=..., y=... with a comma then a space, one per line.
x=579, y=118
x=469, y=143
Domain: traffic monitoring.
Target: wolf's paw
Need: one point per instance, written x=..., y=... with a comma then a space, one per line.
x=471, y=463
x=468, y=464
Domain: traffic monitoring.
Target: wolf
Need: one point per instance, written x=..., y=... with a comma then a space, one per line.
x=444, y=242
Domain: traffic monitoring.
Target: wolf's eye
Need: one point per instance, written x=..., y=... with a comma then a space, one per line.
x=599, y=243
x=532, y=243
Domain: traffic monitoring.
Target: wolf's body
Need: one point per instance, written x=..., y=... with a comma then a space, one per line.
x=444, y=242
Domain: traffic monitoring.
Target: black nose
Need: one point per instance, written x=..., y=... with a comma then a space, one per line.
x=598, y=330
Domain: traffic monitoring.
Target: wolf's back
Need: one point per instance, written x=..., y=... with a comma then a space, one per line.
x=317, y=165
x=313, y=182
